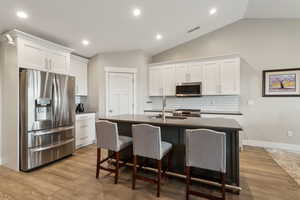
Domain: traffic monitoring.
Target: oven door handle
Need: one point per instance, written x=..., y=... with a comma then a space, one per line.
x=52, y=146
x=55, y=130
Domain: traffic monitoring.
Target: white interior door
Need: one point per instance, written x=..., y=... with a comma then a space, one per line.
x=120, y=94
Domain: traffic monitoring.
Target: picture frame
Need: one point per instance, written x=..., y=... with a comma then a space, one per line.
x=281, y=83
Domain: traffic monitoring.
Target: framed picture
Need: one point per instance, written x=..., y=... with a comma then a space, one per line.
x=281, y=83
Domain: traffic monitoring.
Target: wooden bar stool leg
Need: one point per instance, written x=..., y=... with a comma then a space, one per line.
x=117, y=154
x=158, y=177
x=170, y=159
x=223, y=186
x=98, y=162
x=188, y=176
x=134, y=172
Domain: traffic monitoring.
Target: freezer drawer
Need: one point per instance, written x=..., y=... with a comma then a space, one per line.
x=42, y=155
x=49, y=137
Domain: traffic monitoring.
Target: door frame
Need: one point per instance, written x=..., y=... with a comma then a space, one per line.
x=125, y=70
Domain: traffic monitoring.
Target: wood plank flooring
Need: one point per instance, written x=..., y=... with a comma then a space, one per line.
x=74, y=179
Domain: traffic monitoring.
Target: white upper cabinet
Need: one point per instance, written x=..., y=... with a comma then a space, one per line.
x=59, y=62
x=230, y=77
x=78, y=68
x=39, y=54
x=188, y=72
x=220, y=77
x=181, y=73
x=32, y=55
x=195, y=72
x=169, y=80
x=156, y=83
x=211, y=82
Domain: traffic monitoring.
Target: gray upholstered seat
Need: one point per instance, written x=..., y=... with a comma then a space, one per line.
x=206, y=149
x=147, y=142
x=166, y=147
x=124, y=141
x=108, y=137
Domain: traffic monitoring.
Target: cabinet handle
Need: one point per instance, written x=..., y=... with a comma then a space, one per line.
x=188, y=77
x=46, y=63
x=84, y=138
x=219, y=89
x=50, y=64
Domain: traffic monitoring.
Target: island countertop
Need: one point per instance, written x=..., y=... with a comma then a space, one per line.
x=190, y=122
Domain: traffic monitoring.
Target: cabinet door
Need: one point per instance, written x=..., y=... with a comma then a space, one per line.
x=32, y=55
x=169, y=80
x=82, y=132
x=156, y=81
x=59, y=62
x=230, y=77
x=195, y=72
x=78, y=68
x=211, y=75
x=181, y=74
x=92, y=127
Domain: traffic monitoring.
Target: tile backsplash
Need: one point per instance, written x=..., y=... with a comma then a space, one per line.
x=213, y=103
x=81, y=99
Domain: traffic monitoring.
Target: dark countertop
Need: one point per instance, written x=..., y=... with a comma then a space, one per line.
x=190, y=122
x=208, y=112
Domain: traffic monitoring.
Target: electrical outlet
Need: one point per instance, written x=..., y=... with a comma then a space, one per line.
x=290, y=133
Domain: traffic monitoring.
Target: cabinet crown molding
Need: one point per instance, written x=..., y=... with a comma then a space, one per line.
x=15, y=33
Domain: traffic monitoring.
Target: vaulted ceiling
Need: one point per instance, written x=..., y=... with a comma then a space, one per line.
x=110, y=26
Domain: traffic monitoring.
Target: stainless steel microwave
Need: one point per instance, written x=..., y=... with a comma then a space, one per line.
x=193, y=89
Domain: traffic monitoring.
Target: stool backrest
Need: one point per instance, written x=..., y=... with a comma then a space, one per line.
x=107, y=135
x=206, y=149
x=146, y=141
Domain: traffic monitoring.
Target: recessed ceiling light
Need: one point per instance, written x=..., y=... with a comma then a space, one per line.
x=22, y=15
x=158, y=36
x=213, y=11
x=85, y=42
x=136, y=12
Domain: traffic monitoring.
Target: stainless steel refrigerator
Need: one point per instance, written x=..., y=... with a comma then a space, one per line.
x=47, y=117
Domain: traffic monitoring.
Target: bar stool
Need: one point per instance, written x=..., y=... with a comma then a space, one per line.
x=147, y=143
x=108, y=138
x=205, y=149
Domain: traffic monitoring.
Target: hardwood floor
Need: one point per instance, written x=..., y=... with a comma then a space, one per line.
x=74, y=178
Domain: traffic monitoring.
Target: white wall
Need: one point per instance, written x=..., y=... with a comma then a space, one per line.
x=96, y=77
x=262, y=44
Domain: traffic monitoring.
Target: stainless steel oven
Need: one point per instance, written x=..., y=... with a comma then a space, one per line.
x=193, y=89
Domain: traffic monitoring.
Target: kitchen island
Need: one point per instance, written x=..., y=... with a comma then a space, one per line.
x=173, y=131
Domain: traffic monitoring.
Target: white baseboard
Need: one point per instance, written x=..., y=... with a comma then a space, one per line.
x=274, y=145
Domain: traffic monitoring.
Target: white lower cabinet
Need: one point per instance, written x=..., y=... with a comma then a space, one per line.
x=85, y=129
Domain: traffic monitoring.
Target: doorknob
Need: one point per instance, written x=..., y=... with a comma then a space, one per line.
x=110, y=111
